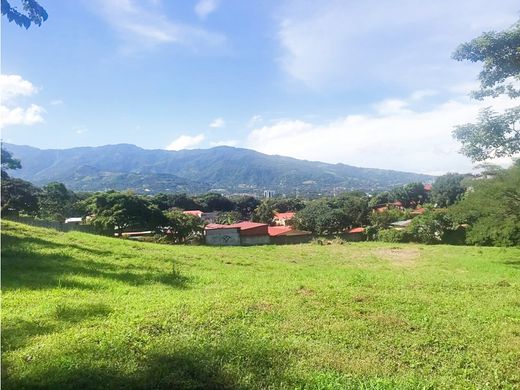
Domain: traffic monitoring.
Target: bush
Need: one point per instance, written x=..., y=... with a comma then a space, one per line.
x=429, y=228
x=393, y=235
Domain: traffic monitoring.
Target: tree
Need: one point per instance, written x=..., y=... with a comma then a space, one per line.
x=246, y=206
x=494, y=135
x=491, y=208
x=264, y=212
x=33, y=13
x=320, y=218
x=180, y=227
x=19, y=196
x=56, y=202
x=410, y=195
x=429, y=228
x=8, y=162
x=228, y=217
x=354, y=205
x=119, y=211
x=215, y=202
x=447, y=189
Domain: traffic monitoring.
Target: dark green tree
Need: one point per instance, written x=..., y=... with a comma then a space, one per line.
x=8, y=162
x=118, y=211
x=228, y=217
x=448, y=189
x=56, y=202
x=494, y=135
x=491, y=208
x=245, y=205
x=180, y=227
x=320, y=218
x=19, y=197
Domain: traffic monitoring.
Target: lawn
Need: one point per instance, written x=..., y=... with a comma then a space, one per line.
x=82, y=311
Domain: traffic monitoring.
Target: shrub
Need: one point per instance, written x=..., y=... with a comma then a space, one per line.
x=429, y=228
x=393, y=235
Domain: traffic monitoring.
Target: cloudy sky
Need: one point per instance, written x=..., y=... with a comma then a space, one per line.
x=366, y=83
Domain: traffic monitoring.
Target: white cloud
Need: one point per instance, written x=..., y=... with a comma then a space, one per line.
x=205, y=7
x=11, y=88
x=13, y=85
x=394, y=136
x=143, y=24
x=229, y=142
x=255, y=120
x=347, y=44
x=57, y=102
x=186, y=142
x=217, y=123
x=21, y=116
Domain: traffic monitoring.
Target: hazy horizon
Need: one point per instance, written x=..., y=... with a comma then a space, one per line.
x=370, y=85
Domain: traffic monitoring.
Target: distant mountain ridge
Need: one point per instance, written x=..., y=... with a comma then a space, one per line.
x=223, y=168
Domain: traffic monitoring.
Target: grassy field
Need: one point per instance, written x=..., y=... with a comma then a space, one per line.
x=82, y=311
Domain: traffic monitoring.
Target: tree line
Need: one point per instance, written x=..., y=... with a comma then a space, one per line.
x=485, y=207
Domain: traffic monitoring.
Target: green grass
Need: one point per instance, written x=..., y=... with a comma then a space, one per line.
x=82, y=311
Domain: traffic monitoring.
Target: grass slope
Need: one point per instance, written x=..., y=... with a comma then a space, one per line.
x=81, y=311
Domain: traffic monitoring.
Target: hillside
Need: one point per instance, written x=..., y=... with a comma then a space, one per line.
x=230, y=169
x=82, y=311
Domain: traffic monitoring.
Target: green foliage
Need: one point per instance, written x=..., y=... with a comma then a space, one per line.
x=181, y=228
x=393, y=235
x=56, y=202
x=429, y=228
x=320, y=218
x=19, y=197
x=245, y=206
x=447, y=189
x=228, y=217
x=264, y=212
x=120, y=211
x=354, y=205
x=494, y=135
x=491, y=207
x=215, y=202
x=410, y=195
x=500, y=56
x=385, y=218
x=8, y=162
x=380, y=199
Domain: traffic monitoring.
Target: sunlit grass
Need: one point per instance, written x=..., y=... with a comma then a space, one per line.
x=82, y=311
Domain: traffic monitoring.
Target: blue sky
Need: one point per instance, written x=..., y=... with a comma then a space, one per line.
x=365, y=83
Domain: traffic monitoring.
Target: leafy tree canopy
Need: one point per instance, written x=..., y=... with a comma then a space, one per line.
x=448, y=189
x=494, y=135
x=33, y=13
x=8, y=162
x=19, y=196
x=491, y=207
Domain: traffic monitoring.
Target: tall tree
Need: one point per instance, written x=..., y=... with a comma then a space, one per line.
x=448, y=189
x=494, y=134
x=8, y=162
x=56, y=202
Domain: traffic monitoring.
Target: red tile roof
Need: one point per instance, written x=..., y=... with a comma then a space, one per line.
x=427, y=187
x=357, y=230
x=278, y=230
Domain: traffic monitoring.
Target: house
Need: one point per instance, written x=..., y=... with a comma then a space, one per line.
x=355, y=234
x=206, y=217
x=381, y=208
x=242, y=233
x=280, y=219
x=288, y=235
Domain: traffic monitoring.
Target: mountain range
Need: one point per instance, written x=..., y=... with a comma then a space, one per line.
x=225, y=169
